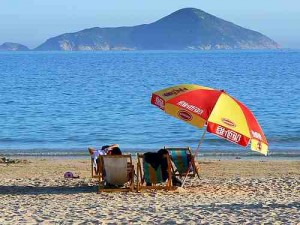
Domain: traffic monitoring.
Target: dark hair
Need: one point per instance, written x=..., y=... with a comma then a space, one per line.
x=116, y=151
x=104, y=147
x=162, y=151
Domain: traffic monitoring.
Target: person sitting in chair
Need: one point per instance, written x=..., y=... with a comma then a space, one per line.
x=157, y=159
x=95, y=153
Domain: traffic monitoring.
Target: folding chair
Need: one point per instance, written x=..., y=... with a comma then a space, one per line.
x=184, y=162
x=117, y=172
x=150, y=178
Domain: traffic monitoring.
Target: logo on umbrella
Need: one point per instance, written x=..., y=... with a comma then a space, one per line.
x=159, y=102
x=228, y=122
x=259, y=147
x=256, y=135
x=185, y=115
x=175, y=91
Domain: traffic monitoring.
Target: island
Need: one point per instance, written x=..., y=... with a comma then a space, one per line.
x=9, y=46
x=185, y=29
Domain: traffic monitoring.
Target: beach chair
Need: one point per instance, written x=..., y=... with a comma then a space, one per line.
x=117, y=172
x=146, y=174
x=183, y=162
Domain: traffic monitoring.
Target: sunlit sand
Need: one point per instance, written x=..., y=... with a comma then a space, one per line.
x=233, y=191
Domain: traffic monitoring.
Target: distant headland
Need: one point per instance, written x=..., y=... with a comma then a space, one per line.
x=185, y=29
x=9, y=46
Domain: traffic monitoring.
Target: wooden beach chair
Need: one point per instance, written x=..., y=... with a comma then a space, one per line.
x=184, y=162
x=117, y=172
x=146, y=174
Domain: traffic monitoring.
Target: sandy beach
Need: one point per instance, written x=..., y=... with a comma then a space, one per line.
x=229, y=192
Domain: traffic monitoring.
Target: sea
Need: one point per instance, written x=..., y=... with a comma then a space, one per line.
x=60, y=103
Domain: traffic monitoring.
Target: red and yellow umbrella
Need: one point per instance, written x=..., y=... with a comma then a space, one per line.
x=222, y=114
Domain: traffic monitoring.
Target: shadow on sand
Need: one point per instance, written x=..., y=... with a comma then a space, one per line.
x=32, y=190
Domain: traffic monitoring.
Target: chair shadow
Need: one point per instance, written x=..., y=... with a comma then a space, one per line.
x=31, y=190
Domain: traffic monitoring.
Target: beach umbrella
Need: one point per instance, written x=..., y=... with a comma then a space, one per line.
x=221, y=113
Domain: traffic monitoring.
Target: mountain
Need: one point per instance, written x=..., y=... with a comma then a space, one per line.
x=184, y=29
x=9, y=46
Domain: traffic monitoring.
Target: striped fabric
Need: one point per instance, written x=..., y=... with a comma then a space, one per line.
x=180, y=159
x=151, y=175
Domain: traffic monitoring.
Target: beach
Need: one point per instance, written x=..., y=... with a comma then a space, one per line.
x=234, y=191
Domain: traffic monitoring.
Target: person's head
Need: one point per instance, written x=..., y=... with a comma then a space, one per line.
x=116, y=151
x=162, y=151
x=105, y=147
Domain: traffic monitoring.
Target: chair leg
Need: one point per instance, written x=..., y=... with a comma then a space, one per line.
x=138, y=177
x=194, y=166
x=186, y=175
x=132, y=178
x=196, y=169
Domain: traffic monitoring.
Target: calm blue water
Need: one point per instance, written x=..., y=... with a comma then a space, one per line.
x=58, y=101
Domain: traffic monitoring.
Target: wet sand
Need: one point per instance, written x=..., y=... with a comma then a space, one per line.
x=229, y=192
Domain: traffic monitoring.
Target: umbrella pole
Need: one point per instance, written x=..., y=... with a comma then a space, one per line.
x=196, y=153
x=200, y=142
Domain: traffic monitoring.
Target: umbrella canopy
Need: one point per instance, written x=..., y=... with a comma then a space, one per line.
x=222, y=114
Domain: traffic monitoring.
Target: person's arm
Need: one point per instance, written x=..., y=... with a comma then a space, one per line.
x=91, y=151
x=112, y=146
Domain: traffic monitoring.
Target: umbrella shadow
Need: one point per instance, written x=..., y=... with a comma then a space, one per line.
x=32, y=190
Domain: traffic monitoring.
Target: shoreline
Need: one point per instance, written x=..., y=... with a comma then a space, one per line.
x=202, y=155
x=134, y=157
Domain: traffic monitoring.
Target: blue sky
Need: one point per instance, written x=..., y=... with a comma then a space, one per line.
x=31, y=22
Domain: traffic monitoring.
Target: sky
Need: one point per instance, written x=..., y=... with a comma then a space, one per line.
x=31, y=22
